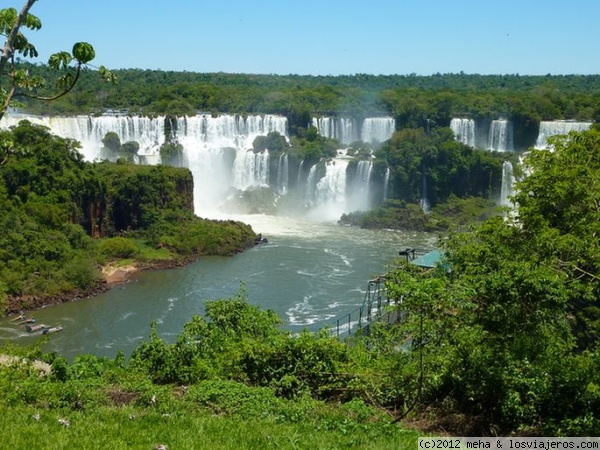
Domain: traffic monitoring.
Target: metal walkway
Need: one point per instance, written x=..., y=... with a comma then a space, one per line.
x=377, y=306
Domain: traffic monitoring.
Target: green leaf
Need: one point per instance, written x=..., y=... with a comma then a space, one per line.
x=8, y=17
x=65, y=81
x=32, y=22
x=107, y=75
x=83, y=52
x=60, y=60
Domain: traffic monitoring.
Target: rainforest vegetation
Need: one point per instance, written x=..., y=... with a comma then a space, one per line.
x=502, y=338
x=62, y=217
x=414, y=101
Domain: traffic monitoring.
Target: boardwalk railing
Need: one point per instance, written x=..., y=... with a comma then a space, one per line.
x=375, y=308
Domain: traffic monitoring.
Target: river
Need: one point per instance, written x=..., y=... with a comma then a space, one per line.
x=309, y=273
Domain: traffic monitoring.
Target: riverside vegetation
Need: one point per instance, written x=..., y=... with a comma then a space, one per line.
x=62, y=219
x=501, y=339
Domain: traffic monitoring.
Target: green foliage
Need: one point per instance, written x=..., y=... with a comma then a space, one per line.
x=274, y=142
x=172, y=154
x=508, y=337
x=83, y=52
x=51, y=201
x=117, y=248
x=434, y=167
x=111, y=141
x=236, y=399
x=454, y=214
x=64, y=74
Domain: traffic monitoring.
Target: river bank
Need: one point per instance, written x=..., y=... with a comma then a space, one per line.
x=110, y=276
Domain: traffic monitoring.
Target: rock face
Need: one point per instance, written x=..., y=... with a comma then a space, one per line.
x=132, y=196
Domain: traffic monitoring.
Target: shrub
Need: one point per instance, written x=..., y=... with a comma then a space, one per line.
x=117, y=247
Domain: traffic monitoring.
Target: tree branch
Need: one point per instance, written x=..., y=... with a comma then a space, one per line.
x=9, y=46
x=49, y=99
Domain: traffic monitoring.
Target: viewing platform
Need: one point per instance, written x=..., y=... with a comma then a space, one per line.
x=377, y=305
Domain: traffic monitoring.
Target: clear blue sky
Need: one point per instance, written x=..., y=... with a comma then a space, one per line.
x=328, y=37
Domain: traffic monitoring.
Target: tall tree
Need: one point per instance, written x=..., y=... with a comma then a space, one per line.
x=69, y=64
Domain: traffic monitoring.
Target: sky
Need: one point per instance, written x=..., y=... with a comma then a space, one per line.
x=327, y=37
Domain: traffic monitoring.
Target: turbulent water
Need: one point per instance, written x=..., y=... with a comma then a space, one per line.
x=308, y=273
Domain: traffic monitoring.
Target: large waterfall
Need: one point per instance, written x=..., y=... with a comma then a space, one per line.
x=346, y=130
x=496, y=135
x=377, y=129
x=343, y=129
x=556, y=127
x=330, y=192
x=464, y=130
x=219, y=153
x=500, y=137
x=90, y=130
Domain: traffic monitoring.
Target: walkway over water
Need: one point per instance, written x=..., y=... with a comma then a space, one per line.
x=377, y=306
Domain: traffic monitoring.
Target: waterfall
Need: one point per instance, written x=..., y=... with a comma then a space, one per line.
x=377, y=129
x=329, y=191
x=556, y=127
x=347, y=130
x=506, y=189
x=218, y=151
x=464, y=130
x=500, y=137
x=424, y=202
x=359, y=187
x=282, y=174
x=90, y=130
x=299, y=180
x=386, y=182
x=343, y=129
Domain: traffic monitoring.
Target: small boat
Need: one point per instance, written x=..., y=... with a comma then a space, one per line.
x=34, y=328
x=26, y=320
x=52, y=330
x=18, y=318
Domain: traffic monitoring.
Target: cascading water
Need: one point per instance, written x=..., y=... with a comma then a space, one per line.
x=386, y=182
x=359, y=187
x=328, y=192
x=377, y=129
x=556, y=127
x=90, y=130
x=343, y=129
x=464, y=130
x=283, y=174
x=500, y=137
x=424, y=201
x=218, y=151
x=506, y=189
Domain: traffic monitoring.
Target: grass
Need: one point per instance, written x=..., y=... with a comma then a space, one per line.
x=122, y=409
x=142, y=428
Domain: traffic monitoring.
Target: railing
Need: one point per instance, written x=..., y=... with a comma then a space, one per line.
x=375, y=308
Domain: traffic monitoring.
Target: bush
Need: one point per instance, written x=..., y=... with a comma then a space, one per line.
x=117, y=247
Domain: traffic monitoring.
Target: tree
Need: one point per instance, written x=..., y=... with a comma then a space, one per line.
x=68, y=64
x=111, y=141
x=508, y=337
